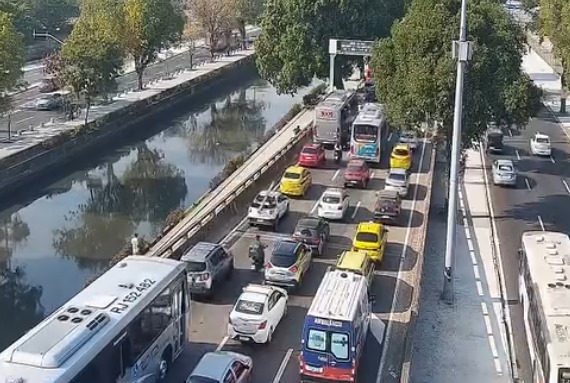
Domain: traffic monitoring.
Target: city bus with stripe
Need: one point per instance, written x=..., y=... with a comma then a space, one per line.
x=127, y=326
x=544, y=293
x=335, y=329
x=368, y=134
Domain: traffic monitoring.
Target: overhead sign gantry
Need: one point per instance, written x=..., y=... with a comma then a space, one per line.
x=347, y=48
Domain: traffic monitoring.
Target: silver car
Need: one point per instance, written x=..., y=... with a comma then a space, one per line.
x=398, y=181
x=222, y=367
x=504, y=173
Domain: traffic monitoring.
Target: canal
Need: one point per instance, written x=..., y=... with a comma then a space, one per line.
x=62, y=231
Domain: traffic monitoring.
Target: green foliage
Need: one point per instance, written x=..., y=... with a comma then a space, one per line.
x=415, y=73
x=247, y=12
x=150, y=25
x=555, y=23
x=313, y=96
x=293, y=46
x=11, y=58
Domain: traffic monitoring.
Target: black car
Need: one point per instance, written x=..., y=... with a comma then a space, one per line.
x=494, y=140
x=387, y=208
x=207, y=265
x=313, y=232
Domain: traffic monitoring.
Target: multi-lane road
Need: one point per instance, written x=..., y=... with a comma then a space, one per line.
x=539, y=202
x=278, y=361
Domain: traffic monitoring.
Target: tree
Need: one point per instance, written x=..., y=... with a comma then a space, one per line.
x=214, y=18
x=11, y=58
x=92, y=57
x=293, y=46
x=191, y=35
x=53, y=14
x=150, y=26
x=246, y=12
x=415, y=73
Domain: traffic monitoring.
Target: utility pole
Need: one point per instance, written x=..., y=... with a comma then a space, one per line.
x=462, y=51
x=48, y=35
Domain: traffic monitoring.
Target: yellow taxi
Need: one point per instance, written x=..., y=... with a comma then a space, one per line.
x=358, y=262
x=370, y=237
x=295, y=181
x=401, y=157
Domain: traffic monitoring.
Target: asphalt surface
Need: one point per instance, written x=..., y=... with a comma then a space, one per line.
x=539, y=202
x=278, y=361
x=22, y=118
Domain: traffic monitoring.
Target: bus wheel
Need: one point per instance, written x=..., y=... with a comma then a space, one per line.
x=164, y=365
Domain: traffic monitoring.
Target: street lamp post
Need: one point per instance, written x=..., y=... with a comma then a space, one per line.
x=48, y=35
x=462, y=51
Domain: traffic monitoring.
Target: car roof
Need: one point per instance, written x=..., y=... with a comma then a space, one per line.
x=213, y=365
x=199, y=252
x=369, y=227
x=308, y=222
x=253, y=288
x=397, y=171
x=333, y=191
x=295, y=169
x=356, y=163
x=352, y=260
x=286, y=246
x=312, y=146
x=401, y=146
x=270, y=193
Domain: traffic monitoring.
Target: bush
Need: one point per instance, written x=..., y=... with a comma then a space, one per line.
x=312, y=98
x=175, y=217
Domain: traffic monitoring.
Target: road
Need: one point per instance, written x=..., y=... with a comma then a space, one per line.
x=539, y=202
x=278, y=361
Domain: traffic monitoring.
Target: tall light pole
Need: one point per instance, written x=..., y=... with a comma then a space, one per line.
x=462, y=52
x=48, y=35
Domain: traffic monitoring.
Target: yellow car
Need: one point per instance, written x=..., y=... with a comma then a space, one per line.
x=357, y=262
x=371, y=238
x=296, y=181
x=401, y=157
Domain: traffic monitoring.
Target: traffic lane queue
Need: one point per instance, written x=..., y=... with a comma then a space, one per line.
x=209, y=319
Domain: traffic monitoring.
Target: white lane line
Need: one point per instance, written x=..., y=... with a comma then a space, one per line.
x=518, y=155
x=222, y=343
x=356, y=209
x=23, y=120
x=527, y=183
x=372, y=175
x=541, y=223
x=390, y=137
x=335, y=175
x=283, y=366
x=566, y=186
x=314, y=207
x=386, y=345
x=552, y=160
x=510, y=132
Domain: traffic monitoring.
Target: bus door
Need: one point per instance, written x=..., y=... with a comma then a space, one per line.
x=179, y=315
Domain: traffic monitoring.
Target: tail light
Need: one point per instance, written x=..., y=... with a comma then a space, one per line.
x=293, y=269
x=262, y=325
x=339, y=207
x=268, y=265
x=204, y=277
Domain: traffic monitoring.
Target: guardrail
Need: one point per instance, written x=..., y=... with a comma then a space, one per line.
x=199, y=218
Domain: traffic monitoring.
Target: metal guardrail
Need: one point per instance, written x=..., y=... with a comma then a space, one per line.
x=201, y=217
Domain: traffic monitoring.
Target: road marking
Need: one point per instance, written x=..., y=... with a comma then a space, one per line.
x=356, y=209
x=518, y=155
x=400, y=266
x=390, y=137
x=552, y=160
x=335, y=175
x=527, y=183
x=314, y=207
x=222, y=343
x=566, y=186
x=283, y=366
x=541, y=223
x=23, y=120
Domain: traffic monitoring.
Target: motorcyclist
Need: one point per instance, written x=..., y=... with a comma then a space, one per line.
x=259, y=250
x=337, y=151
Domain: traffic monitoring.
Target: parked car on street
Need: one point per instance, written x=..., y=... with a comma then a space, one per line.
x=540, y=145
x=207, y=265
x=388, y=206
x=48, y=102
x=312, y=156
x=288, y=264
x=267, y=208
x=504, y=173
x=314, y=232
x=398, y=181
x=222, y=367
x=357, y=173
x=257, y=313
x=333, y=204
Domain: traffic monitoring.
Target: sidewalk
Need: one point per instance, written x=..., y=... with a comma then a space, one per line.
x=465, y=342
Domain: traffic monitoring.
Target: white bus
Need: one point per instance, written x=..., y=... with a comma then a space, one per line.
x=333, y=117
x=368, y=133
x=127, y=326
x=544, y=289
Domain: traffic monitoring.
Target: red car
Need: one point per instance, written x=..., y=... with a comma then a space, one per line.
x=356, y=173
x=312, y=156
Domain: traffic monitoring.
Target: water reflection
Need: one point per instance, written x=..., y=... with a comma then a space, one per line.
x=13, y=232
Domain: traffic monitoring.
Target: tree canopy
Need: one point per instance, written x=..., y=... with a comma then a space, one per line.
x=415, y=72
x=293, y=46
x=11, y=58
x=554, y=18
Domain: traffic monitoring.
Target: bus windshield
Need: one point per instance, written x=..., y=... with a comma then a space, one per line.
x=365, y=133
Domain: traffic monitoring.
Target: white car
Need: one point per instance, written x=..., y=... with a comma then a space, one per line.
x=540, y=145
x=398, y=181
x=409, y=137
x=268, y=208
x=333, y=204
x=257, y=313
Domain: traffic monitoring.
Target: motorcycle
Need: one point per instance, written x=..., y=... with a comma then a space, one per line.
x=337, y=156
x=256, y=256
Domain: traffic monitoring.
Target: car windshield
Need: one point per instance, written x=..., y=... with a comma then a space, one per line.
x=195, y=266
x=311, y=151
x=268, y=202
x=354, y=169
x=542, y=140
x=331, y=199
x=367, y=237
x=505, y=168
x=397, y=177
x=292, y=176
x=401, y=152
x=201, y=379
x=249, y=307
x=365, y=133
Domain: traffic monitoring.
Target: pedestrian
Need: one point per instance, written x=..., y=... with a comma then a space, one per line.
x=135, y=244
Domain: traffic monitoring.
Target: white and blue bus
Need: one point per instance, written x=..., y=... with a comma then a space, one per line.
x=335, y=328
x=368, y=134
x=128, y=326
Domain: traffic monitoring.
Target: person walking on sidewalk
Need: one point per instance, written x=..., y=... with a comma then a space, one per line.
x=135, y=244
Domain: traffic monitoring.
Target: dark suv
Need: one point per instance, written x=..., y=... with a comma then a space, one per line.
x=314, y=232
x=388, y=206
x=207, y=264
